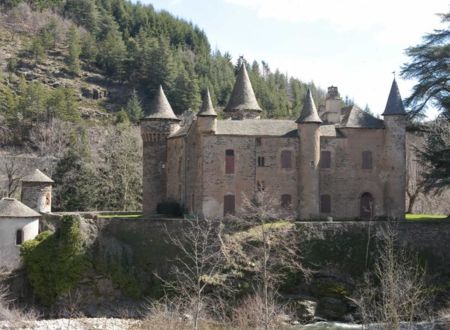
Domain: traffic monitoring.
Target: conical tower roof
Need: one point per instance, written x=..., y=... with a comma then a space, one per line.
x=242, y=97
x=207, y=109
x=309, y=113
x=160, y=108
x=37, y=176
x=394, y=105
x=12, y=208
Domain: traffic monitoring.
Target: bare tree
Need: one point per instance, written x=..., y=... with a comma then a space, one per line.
x=268, y=249
x=396, y=291
x=199, y=267
x=13, y=167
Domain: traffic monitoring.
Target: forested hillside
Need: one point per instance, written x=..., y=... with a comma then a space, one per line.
x=77, y=75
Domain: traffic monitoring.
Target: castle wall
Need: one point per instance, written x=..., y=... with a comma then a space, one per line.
x=244, y=182
x=345, y=181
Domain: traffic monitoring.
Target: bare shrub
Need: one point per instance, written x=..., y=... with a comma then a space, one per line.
x=396, y=291
x=198, y=271
x=248, y=314
x=268, y=250
x=11, y=314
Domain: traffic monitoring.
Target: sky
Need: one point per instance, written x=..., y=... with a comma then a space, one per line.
x=353, y=44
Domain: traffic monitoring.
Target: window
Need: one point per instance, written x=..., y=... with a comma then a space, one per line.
x=286, y=159
x=229, y=161
x=325, y=204
x=260, y=161
x=286, y=200
x=325, y=159
x=258, y=141
x=366, y=208
x=367, y=160
x=228, y=205
x=260, y=185
x=19, y=236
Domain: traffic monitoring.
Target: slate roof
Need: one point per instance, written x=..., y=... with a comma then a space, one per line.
x=394, y=105
x=264, y=127
x=207, y=109
x=242, y=97
x=37, y=176
x=309, y=113
x=354, y=117
x=12, y=208
x=160, y=108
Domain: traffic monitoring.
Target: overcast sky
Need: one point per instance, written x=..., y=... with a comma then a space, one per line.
x=352, y=44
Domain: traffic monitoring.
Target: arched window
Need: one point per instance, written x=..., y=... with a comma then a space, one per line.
x=19, y=236
x=229, y=161
x=228, y=205
x=366, y=209
x=325, y=203
x=286, y=159
x=367, y=160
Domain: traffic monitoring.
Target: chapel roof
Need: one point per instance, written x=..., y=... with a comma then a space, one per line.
x=207, y=109
x=309, y=113
x=242, y=97
x=394, y=105
x=37, y=176
x=354, y=117
x=12, y=208
x=160, y=107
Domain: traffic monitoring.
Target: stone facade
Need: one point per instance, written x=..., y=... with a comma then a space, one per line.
x=36, y=191
x=344, y=164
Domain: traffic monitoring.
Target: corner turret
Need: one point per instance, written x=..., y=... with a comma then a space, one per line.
x=155, y=128
x=395, y=154
x=207, y=116
x=309, y=156
x=242, y=103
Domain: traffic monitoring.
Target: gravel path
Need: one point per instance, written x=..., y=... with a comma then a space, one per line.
x=74, y=324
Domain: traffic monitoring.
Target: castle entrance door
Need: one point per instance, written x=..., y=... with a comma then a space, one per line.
x=366, y=206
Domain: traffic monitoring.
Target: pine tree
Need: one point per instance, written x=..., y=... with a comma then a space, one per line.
x=73, y=59
x=134, y=108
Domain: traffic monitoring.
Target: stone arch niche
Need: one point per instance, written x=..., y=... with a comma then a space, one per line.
x=366, y=206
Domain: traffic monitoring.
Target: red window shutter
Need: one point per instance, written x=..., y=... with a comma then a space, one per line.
x=286, y=159
x=325, y=159
x=367, y=160
x=229, y=161
x=325, y=203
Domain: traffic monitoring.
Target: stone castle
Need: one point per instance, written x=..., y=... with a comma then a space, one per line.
x=338, y=162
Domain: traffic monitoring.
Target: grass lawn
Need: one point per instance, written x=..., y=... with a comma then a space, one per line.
x=415, y=217
x=122, y=216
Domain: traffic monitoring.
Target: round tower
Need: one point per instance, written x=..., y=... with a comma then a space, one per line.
x=395, y=154
x=18, y=223
x=37, y=191
x=155, y=128
x=308, y=160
